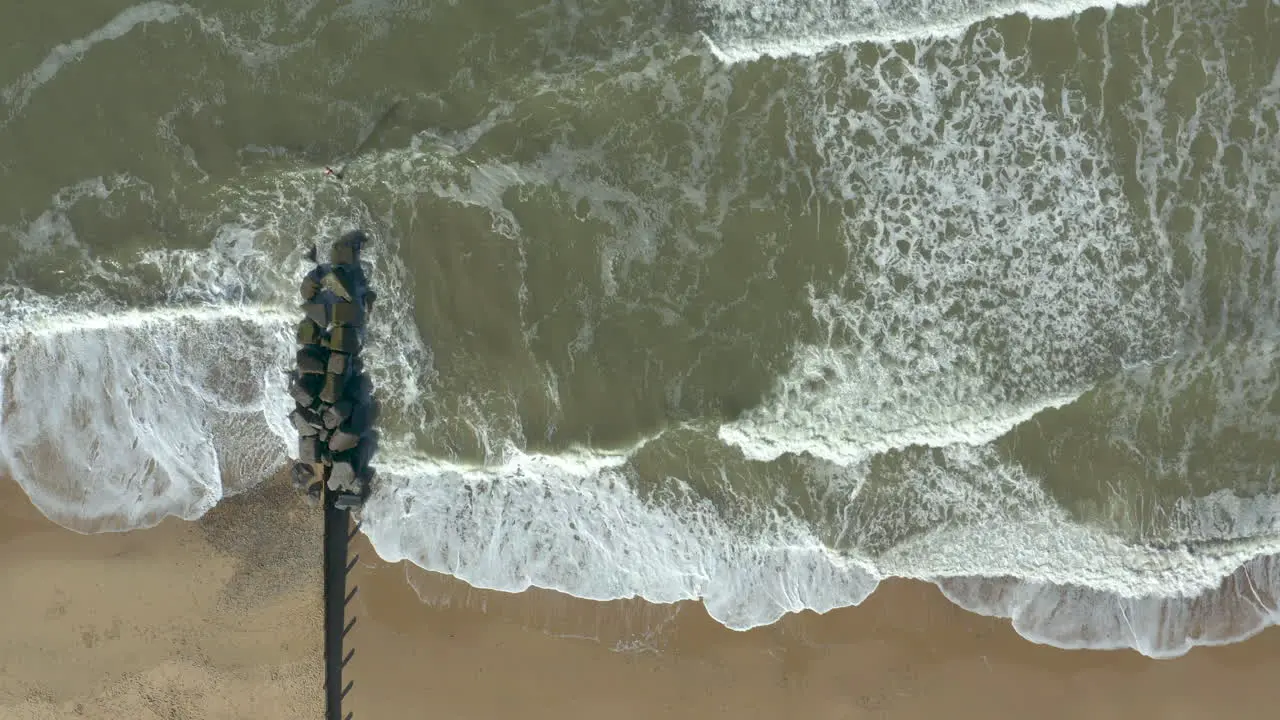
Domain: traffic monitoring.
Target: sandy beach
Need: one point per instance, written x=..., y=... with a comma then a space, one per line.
x=221, y=619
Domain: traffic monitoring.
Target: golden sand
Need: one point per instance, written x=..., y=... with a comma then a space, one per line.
x=221, y=619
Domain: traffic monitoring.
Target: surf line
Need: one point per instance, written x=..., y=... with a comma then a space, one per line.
x=334, y=416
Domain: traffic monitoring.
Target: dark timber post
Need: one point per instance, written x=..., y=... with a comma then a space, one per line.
x=336, y=536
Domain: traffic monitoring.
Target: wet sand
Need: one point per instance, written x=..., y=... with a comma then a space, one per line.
x=221, y=619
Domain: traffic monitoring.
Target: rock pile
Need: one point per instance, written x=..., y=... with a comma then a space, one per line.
x=334, y=411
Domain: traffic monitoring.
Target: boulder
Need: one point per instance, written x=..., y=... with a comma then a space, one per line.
x=312, y=360
x=336, y=414
x=346, y=251
x=369, y=297
x=344, y=281
x=333, y=388
x=312, y=416
x=361, y=455
x=302, y=474
x=353, y=239
x=350, y=314
x=311, y=284
x=343, y=441
x=313, y=493
x=309, y=333
x=347, y=501
x=344, y=339
x=338, y=363
x=317, y=313
x=309, y=449
x=300, y=423
x=343, y=477
x=344, y=255
x=304, y=390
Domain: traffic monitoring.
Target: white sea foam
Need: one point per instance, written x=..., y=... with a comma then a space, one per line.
x=745, y=30
x=994, y=269
x=573, y=523
x=1071, y=616
x=114, y=422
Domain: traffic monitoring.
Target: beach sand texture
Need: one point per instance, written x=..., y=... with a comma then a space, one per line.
x=221, y=619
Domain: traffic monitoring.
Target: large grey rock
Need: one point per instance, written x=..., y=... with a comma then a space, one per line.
x=304, y=390
x=313, y=493
x=312, y=283
x=302, y=474
x=300, y=423
x=361, y=455
x=344, y=255
x=350, y=314
x=309, y=449
x=312, y=360
x=347, y=501
x=336, y=414
x=312, y=416
x=344, y=339
x=338, y=363
x=347, y=249
x=343, y=477
x=309, y=333
x=317, y=313
x=333, y=388
x=343, y=441
x=344, y=281
x=355, y=239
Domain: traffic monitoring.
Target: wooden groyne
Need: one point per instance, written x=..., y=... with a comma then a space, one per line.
x=335, y=414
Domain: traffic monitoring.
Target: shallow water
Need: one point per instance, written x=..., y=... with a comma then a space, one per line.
x=751, y=302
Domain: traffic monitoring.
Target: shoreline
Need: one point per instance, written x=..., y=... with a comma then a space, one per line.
x=220, y=618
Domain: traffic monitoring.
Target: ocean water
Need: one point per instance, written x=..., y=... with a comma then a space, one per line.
x=756, y=302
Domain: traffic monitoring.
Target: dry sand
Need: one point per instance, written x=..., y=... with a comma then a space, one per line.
x=220, y=619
